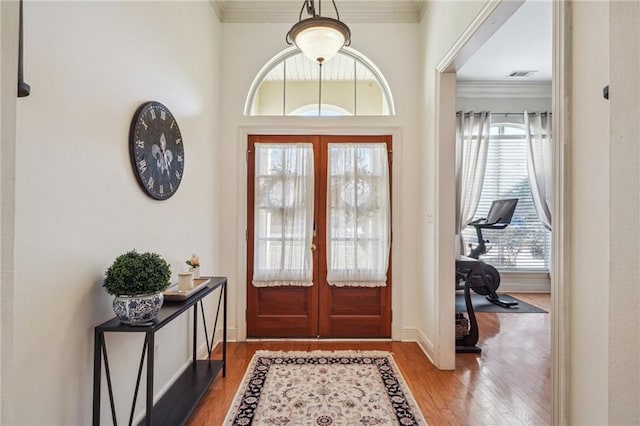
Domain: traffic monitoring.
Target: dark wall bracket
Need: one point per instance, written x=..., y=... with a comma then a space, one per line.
x=23, y=88
x=605, y=92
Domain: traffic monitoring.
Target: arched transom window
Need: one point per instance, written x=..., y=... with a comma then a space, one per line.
x=290, y=84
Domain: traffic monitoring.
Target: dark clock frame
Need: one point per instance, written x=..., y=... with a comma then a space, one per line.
x=156, y=150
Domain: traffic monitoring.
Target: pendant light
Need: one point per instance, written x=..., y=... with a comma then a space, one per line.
x=319, y=37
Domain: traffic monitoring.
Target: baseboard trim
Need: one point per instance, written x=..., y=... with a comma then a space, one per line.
x=409, y=334
x=524, y=282
x=426, y=345
x=524, y=288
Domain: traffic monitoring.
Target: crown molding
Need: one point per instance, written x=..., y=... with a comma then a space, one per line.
x=503, y=89
x=217, y=8
x=351, y=11
x=422, y=9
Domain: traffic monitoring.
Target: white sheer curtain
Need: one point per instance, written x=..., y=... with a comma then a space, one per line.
x=537, y=129
x=472, y=143
x=283, y=215
x=358, y=215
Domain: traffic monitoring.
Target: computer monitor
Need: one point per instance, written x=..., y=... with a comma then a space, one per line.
x=501, y=211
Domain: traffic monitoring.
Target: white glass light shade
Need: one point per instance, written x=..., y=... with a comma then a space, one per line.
x=320, y=38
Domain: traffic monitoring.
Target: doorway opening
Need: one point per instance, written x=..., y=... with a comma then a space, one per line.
x=482, y=30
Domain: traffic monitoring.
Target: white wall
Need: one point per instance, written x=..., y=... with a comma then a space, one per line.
x=244, y=55
x=589, y=177
x=443, y=24
x=497, y=98
x=8, y=80
x=505, y=105
x=78, y=205
x=624, y=187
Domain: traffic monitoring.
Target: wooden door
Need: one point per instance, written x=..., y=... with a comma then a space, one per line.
x=285, y=311
x=350, y=311
x=321, y=310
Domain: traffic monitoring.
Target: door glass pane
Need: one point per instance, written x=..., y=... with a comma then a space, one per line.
x=358, y=215
x=283, y=215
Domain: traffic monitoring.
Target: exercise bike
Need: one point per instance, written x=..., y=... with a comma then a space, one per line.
x=483, y=278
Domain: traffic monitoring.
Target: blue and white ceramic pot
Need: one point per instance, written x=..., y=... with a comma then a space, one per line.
x=137, y=310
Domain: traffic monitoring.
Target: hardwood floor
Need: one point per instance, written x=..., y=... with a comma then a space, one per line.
x=508, y=384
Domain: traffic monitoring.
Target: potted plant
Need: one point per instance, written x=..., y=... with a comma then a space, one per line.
x=194, y=265
x=137, y=281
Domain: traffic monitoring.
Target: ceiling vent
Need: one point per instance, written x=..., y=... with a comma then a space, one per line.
x=520, y=74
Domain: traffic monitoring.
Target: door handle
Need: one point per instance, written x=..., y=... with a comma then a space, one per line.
x=313, y=247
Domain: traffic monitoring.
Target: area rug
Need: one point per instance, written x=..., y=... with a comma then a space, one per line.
x=344, y=388
x=481, y=304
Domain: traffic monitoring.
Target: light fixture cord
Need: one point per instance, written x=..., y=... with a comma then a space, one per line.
x=306, y=3
x=320, y=89
x=336, y=9
x=311, y=9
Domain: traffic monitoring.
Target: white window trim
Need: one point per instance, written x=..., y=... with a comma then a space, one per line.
x=323, y=107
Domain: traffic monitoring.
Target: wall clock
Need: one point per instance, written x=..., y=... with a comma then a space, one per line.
x=157, y=150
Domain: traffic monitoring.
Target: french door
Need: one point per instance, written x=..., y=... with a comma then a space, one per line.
x=318, y=261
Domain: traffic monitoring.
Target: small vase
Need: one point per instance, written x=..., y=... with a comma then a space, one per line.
x=196, y=272
x=185, y=281
x=138, y=310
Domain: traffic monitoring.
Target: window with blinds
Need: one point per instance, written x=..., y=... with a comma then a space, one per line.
x=525, y=245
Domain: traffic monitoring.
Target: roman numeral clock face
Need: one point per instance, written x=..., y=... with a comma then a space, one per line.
x=157, y=151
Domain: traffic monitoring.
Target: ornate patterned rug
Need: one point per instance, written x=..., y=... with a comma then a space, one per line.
x=345, y=388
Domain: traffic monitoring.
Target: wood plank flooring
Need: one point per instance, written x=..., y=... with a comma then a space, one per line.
x=508, y=384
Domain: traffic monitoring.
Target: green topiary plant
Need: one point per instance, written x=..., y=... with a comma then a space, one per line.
x=134, y=274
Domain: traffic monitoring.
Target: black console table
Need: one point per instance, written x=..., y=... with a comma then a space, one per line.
x=177, y=404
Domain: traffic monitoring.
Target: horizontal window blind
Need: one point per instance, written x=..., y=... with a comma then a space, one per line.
x=525, y=245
